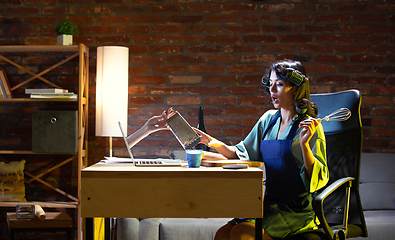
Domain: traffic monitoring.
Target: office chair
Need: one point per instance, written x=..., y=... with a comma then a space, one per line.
x=341, y=214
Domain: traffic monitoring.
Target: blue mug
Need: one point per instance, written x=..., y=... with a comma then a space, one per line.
x=194, y=157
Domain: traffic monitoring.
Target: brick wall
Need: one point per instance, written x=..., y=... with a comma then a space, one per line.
x=188, y=53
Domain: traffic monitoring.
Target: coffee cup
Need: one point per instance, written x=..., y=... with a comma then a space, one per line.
x=194, y=157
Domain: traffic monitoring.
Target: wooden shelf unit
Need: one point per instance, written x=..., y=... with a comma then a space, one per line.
x=82, y=52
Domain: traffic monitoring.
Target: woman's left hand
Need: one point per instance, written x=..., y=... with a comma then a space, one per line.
x=308, y=129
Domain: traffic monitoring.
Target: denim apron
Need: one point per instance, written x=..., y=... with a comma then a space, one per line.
x=287, y=203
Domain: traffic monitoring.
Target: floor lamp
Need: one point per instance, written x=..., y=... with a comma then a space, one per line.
x=112, y=80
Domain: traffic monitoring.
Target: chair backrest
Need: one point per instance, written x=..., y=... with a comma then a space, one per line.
x=344, y=147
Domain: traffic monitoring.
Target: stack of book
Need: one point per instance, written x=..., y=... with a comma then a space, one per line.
x=50, y=93
x=5, y=89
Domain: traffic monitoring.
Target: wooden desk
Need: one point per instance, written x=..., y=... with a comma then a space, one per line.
x=123, y=191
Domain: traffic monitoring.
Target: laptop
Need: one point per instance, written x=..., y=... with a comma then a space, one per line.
x=148, y=162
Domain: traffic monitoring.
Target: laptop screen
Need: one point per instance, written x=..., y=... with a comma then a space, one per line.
x=126, y=142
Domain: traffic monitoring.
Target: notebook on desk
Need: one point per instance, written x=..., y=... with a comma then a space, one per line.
x=148, y=162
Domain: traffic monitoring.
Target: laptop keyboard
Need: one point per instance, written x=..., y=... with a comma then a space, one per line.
x=156, y=163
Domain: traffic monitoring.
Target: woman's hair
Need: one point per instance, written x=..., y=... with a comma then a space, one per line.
x=295, y=73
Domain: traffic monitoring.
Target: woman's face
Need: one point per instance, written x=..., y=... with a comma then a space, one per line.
x=281, y=92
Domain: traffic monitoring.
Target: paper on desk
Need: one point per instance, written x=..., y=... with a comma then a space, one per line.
x=116, y=160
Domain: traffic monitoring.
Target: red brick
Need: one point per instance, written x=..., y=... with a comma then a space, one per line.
x=257, y=18
x=384, y=29
x=352, y=68
x=128, y=9
x=185, y=19
x=254, y=100
x=137, y=49
x=238, y=7
x=236, y=132
x=96, y=30
x=295, y=18
x=318, y=28
x=113, y=20
x=369, y=18
x=334, y=80
x=40, y=20
x=147, y=80
x=220, y=122
x=205, y=28
x=333, y=18
x=331, y=58
x=243, y=28
x=377, y=100
x=383, y=111
x=169, y=69
x=315, y=48
x=221, y=79
x=184, y=59
x=10, y=20
x=382, y=8
x=147, y=59
x=183, y=100
x=149, y=39
x=40, y=41
x=241, y=49
x=366, y=80
x=220, y=100
x=277, y=7
x=204, y=8
x=24, y=30
x=243, y=111
x=379, y=122
x=227, y=18
x=221, y=58
x=352, y=48
x=185, y=79
x=241, y=90
x=244, y=68
x=149, y=19
x=278, y=48
x=222, y=39
x=382, y=132
x=252, y=79
x=259, y=38
x=314, y=8
x=384, y=90
x=370, y=39
x=166, y=49
x=366, y=59
x=138, y=69
x=354, y=28
x=81, y=19
x=319, y=68
x=383, y=49
x=167, y=90
x=146, y=100
x=350, y=8
x=206, y=68
x=131, y=29
x=185, y=39
x=168, y=29
x=166, y=8
x=95, y=9
x=367, y=142
x=205, y=49
x=258, y=58
x=37, y=1
x=23, y=10
x=200, y=90
x=137, y=90
x=332, y=38
x=116, y=39
x=57, y=10
x=300, y=38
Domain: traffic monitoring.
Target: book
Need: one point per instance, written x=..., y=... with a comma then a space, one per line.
x=45, y=90
x=69, y=95
x=5, y=85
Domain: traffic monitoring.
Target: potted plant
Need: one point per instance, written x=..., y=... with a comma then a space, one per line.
x=65, y=31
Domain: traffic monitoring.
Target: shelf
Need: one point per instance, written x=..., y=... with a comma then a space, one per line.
x=40, y=48
x=42, y=204
x=29, y=152
x=38, y=100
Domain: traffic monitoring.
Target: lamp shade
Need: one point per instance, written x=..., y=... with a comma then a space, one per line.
x=112, y=80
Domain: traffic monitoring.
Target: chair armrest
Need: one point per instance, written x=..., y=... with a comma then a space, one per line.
x=318, y=203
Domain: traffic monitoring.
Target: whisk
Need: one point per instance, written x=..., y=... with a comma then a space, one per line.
x=341, y=114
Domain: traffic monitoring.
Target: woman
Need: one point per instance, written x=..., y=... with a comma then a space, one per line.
x=292, y=146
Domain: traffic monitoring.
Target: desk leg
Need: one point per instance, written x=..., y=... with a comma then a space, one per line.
x=258, y=228
x=107, y=229
x=89, y=230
